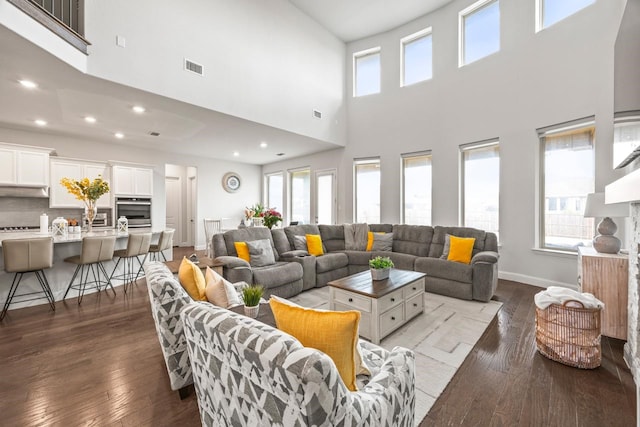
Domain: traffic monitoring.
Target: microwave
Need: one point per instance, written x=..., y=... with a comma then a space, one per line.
x=137, y=211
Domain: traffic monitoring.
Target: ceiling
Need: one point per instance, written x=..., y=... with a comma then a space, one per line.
x=351, y=20
x=65, y=96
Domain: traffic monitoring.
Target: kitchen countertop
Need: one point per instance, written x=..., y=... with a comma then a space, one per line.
x=77, y=237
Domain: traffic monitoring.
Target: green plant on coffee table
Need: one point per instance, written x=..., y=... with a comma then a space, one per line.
x=251, y=295
x=380, y=262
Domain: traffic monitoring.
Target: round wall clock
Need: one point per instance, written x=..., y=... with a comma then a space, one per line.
x=231, y=182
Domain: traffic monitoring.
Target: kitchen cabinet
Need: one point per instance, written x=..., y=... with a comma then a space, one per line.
x=22, y=165
x=606, y=277
x=59, y=197
x=132, y=181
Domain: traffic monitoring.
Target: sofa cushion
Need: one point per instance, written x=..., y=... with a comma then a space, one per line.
x=332, y=237
x=261, y=253
x=381, y=228
x=440, y=236
x=400, y=260
x=300, y=230
x=331, y=261
x=314, y=244
x=460, y=249
x=444, y=269
x=382, y=242
x=359, y=257
x=300, y=243
x=335, y=333
x=247, y=234
x=220, y=291
x=277, y=274
x=280, y=241
x=192, y=280
x=412, y=239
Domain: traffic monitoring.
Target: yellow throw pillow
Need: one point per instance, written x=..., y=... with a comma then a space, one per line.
x=192, y=280
x=370, y=239
x=461, y=249
x=243, y=250
x=335, y=333
x=314, y=244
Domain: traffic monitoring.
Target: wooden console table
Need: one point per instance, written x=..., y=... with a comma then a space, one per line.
x=606, y=277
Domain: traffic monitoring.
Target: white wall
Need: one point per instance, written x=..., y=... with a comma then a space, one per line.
x=563, y=73
x=263, y=61
x=213, y=201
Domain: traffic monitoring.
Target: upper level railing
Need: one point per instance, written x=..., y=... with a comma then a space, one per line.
x=63, y=17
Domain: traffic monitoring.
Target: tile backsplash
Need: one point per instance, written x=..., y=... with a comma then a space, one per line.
x=25, y=212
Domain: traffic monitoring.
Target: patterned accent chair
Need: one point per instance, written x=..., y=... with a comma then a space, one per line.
x=247, y=373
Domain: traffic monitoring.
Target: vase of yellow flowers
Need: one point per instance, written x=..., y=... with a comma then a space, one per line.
x=89, y=192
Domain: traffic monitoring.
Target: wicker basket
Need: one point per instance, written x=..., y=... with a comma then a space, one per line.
x=569, y=334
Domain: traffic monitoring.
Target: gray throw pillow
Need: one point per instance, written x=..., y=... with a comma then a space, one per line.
x=261, y=253
x=300, y=243
x=382, y=242
x=447, y=244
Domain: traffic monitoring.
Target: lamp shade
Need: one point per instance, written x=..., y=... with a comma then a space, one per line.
x=596, y=208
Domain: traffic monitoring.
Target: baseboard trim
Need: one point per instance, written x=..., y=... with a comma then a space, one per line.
x=534, y=281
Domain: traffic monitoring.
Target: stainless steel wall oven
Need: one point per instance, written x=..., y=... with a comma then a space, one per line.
x=137, y=210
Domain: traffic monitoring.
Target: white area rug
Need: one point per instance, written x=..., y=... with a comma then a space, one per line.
x=441, y=338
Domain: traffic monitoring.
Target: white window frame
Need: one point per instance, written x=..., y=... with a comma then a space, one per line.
x=540, y=241
x=461, y=16
x=461, y=193
x=362, y=54
x=407, y=40
x=403, y=157
x=539, y=15
x=363, y=161
x=265, y=200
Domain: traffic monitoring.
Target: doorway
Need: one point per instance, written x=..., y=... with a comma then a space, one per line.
x=181, y=200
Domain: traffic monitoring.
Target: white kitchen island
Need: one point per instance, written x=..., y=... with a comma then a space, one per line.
x=61, y=272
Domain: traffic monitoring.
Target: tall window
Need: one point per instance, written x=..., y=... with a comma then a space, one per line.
x=300, y=185
x=274, y=197
x=568, y=175
x=416, y=61
x=366, y=72
x=416, y=188
x=367, y=190
x=479, y=31
x=481, y=185
x=548, y=12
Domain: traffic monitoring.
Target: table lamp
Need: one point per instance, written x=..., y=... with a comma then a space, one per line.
x=605, y=241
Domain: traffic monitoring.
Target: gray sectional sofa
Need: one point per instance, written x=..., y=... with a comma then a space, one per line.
x=414, y=247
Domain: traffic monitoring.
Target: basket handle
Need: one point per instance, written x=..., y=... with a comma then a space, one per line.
x=572, y=301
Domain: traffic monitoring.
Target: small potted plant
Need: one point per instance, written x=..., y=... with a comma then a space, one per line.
x=251, y=297
x=380, y=267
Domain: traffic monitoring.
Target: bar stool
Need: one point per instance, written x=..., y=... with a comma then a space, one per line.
x=95, y=250
x=28, y=256
x=137, y=244
x=164, y=242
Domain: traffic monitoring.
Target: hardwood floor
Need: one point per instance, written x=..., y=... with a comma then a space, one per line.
x=100, y=364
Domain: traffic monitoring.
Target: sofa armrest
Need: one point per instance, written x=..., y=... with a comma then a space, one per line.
x=286, y=256
x=485, y=256
x=232, y=262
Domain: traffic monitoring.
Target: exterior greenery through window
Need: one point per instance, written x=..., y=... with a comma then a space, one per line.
x=480, y=196
x=479, y=31
x=548, y=12
x=416, y=60
x=568, y=175
x=274, y=187
x=367, y=190
x=366, y=72
x=416, y=188
x=300, y=196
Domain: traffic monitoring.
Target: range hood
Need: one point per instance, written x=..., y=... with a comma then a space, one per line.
x=23, y=191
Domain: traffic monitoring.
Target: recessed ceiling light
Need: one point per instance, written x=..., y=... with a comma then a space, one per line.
x=40, y=122
x=139, y=109
x=263, y=145
x=90, y=119
x=118, y=135
x=236, y=154
x=28, y=84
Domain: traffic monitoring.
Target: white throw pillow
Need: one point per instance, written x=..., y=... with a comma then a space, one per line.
x=220, y=291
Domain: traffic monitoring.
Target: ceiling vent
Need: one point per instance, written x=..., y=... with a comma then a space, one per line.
x=153, y=133
x=317, y=114
x=280, y=154
x=193, y=67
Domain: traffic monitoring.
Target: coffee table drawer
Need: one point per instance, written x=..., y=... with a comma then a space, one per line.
x=392, y=299
x=352, y=300
x=364, y=329
x=414, y=306
x=415, y=288
x=391, y=320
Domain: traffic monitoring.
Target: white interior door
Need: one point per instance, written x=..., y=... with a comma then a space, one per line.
x=326, y=211
x=191, y=203
x=173, y=187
